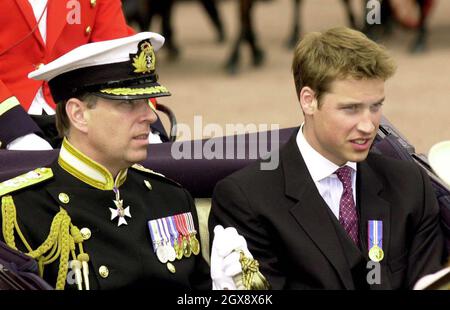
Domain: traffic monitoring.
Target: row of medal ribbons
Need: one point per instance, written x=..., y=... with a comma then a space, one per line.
x=174, y=237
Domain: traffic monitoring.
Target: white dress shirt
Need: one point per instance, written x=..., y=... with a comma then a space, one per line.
x=39, y=105
x=322, y=172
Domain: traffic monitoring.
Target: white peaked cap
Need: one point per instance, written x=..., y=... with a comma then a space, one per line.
x=117, y=69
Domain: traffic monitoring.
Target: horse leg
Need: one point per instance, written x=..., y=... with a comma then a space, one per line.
x=295, y=34
x=419, y=43
x=211, y=8
x=233, y=61
x=166, y=20
x=350, y=15
x=249, y=34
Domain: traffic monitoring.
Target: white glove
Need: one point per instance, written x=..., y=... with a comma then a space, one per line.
x=225, y=264
x=427, y=280
x=154, y=138
x=29, y=142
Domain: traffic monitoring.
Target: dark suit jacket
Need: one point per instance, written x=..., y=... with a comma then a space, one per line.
x=300, y=243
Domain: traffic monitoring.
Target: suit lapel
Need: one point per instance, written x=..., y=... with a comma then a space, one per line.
x=28, y=14
x=56, y=21
x=371, y=206
x=310, y=210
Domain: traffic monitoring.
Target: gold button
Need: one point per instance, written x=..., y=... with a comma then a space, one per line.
x=103, y=271
x=85, y=233
x=88, y=30
x=93, y=3
x=147, y=183
x=63, y=197
x=0, y=143
x=171, y=267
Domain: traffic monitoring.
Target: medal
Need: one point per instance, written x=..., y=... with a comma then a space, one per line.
x=119, y=212
x=375, y=240
x=174, y=236
x=178, y=247
x=185, y=247
x=170, y=252
x=194, y=244
x=157, y=242
x=162, y=254
x=178, y=243
x=376, y=254
x=187, y=251
x=171, y=255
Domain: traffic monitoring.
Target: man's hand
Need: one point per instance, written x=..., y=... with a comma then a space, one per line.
x=30, y=142
x=225, y=264
x=439, y=280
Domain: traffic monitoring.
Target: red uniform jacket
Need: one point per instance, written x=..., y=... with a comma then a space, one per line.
x=22, y=49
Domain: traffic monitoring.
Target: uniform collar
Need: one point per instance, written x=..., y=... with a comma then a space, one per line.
x=87, y=170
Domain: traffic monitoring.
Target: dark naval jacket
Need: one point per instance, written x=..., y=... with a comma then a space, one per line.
x=64, y=214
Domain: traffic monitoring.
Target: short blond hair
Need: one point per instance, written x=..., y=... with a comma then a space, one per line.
x=338, y=53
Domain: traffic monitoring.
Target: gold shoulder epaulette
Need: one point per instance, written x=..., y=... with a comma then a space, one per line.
x=30, y=178
x=150, y=171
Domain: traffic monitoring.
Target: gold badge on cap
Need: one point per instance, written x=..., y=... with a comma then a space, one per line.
x=144, y=59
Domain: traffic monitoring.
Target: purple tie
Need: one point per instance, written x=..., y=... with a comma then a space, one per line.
x=347, y=209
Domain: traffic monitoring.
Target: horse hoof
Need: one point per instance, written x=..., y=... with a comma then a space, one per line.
x=258, y=58
x=418, y=48
x=231, y=68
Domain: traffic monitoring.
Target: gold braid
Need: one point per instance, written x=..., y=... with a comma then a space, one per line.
x=251, y=277
x=60, y=241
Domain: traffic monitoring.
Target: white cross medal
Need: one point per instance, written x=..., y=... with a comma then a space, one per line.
x=119, y=211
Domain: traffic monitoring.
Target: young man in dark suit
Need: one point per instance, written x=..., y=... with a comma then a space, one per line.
x=331, y=215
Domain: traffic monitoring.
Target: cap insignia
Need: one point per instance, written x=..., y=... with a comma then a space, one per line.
x=144, y=59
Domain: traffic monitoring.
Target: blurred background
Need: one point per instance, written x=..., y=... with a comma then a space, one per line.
x=195, y=66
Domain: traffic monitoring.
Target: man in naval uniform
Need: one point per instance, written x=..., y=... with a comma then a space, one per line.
x=95, y=219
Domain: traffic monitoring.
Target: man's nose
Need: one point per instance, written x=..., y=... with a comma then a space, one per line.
x=366, y=124
x=149, y=114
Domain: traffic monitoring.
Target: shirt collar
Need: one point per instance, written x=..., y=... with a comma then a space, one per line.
x=318, y=166
x=87, y=170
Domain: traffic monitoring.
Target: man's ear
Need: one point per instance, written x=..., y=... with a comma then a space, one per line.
x=308, y=100
x=78, y=115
